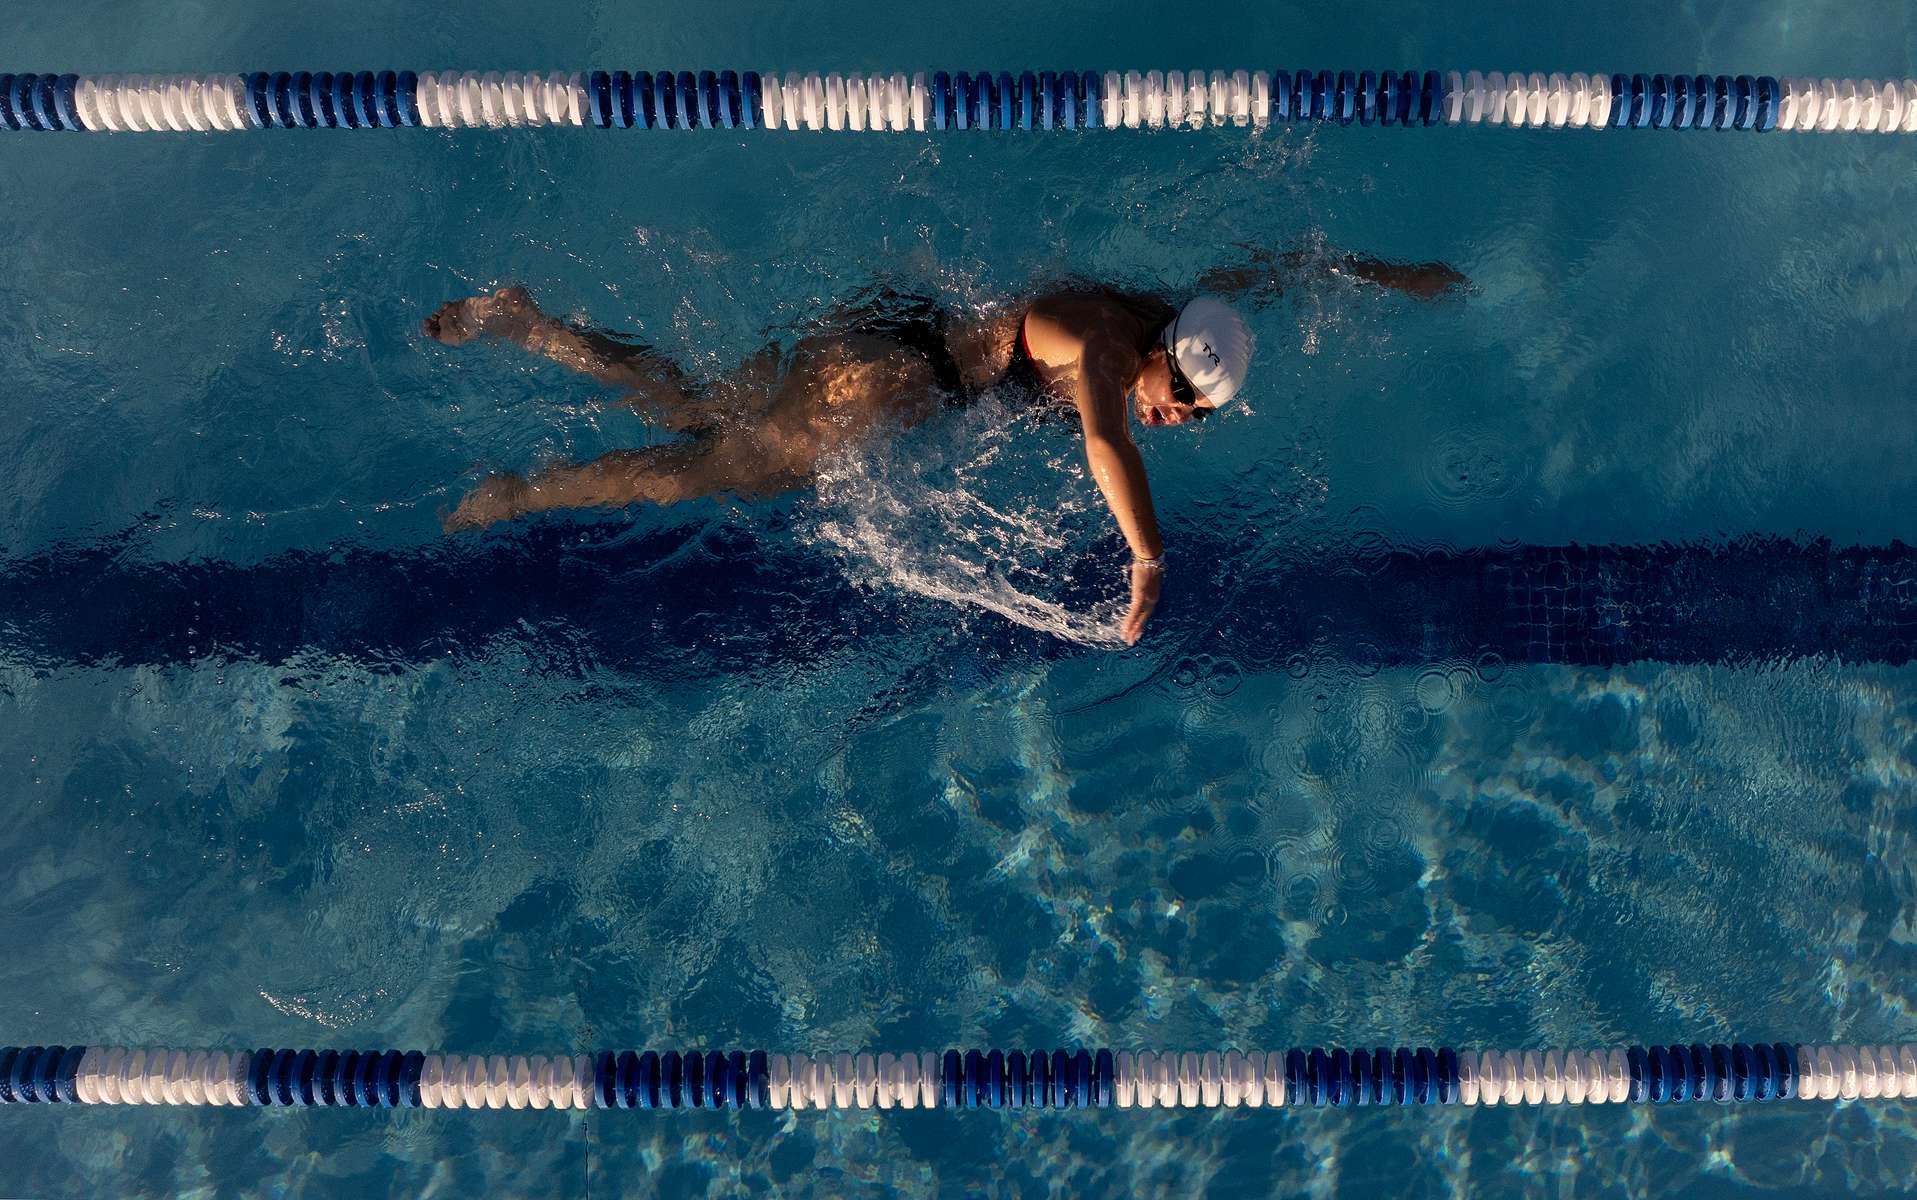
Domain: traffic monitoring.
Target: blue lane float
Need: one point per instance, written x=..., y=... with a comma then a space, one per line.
x=939, y=101
x=1056, y=1080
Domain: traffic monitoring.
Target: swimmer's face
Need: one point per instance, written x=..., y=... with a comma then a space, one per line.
x=1162, y=396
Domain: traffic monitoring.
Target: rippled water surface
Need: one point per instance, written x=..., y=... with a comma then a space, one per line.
x=281, y=765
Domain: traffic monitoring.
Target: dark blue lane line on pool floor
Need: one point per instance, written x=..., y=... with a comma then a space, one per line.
x=733, y=599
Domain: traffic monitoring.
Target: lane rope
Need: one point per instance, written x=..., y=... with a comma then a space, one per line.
x=941, y=101
x=1316, y=1077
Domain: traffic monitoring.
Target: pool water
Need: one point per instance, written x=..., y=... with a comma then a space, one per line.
x=860, y=769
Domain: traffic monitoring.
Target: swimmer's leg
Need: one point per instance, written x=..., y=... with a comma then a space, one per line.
x=653, y=385
x=684, y=470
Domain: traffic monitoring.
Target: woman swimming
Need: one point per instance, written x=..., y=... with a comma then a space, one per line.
x=763, y=428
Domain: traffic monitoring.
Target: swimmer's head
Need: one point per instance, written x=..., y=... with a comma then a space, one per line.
x=1199, y=364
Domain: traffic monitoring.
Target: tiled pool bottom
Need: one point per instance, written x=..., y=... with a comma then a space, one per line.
x=1553, y=856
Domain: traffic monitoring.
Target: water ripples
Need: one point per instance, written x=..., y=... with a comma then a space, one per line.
x=1205, y=675
x=1468, y=466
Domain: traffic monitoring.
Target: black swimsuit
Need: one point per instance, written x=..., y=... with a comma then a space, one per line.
x=918, y=323
x=1021, y=374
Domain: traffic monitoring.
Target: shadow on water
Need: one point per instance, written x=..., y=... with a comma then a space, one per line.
x=718, y=599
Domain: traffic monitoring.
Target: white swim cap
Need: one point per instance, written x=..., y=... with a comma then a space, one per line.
x=1212, y=347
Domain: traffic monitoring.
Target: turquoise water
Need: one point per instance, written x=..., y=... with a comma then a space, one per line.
x=855, y=770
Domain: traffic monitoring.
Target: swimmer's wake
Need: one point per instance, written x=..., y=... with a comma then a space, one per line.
x=913, y=515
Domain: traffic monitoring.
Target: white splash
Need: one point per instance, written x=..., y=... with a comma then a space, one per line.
x=984, y=508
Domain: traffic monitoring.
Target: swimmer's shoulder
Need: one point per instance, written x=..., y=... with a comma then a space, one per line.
x=1060, y=324
x=1089, y=309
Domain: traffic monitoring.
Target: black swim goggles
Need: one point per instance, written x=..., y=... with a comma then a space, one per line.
x=1181, y=389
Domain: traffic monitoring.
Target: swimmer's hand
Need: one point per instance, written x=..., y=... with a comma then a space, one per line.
x=1424, y=281
x=497, y=498
x=507, y=313
x=1146, y=579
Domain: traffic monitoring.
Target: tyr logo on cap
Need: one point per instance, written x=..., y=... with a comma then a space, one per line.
x=1210, y=353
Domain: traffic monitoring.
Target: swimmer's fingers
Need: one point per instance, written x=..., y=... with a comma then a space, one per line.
x=1133, y=627
x=460, y=519
x=1145, y=582
x=514, y=299
x=497, y=498
x=449, y=324
x=1436, y=280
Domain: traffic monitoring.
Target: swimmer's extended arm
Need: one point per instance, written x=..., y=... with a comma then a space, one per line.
x=1426, y=280
x=1106, y=368
x=1267, y=274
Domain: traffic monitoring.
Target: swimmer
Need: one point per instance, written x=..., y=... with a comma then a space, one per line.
x=763, y=428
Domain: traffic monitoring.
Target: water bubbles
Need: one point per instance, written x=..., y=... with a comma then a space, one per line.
x=1204, y=674
x=1224, y=679
x=1466, y=466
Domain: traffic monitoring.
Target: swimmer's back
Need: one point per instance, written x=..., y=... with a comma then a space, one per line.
x=1031, y=349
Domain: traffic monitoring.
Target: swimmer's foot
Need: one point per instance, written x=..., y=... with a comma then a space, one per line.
x=507, y=313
